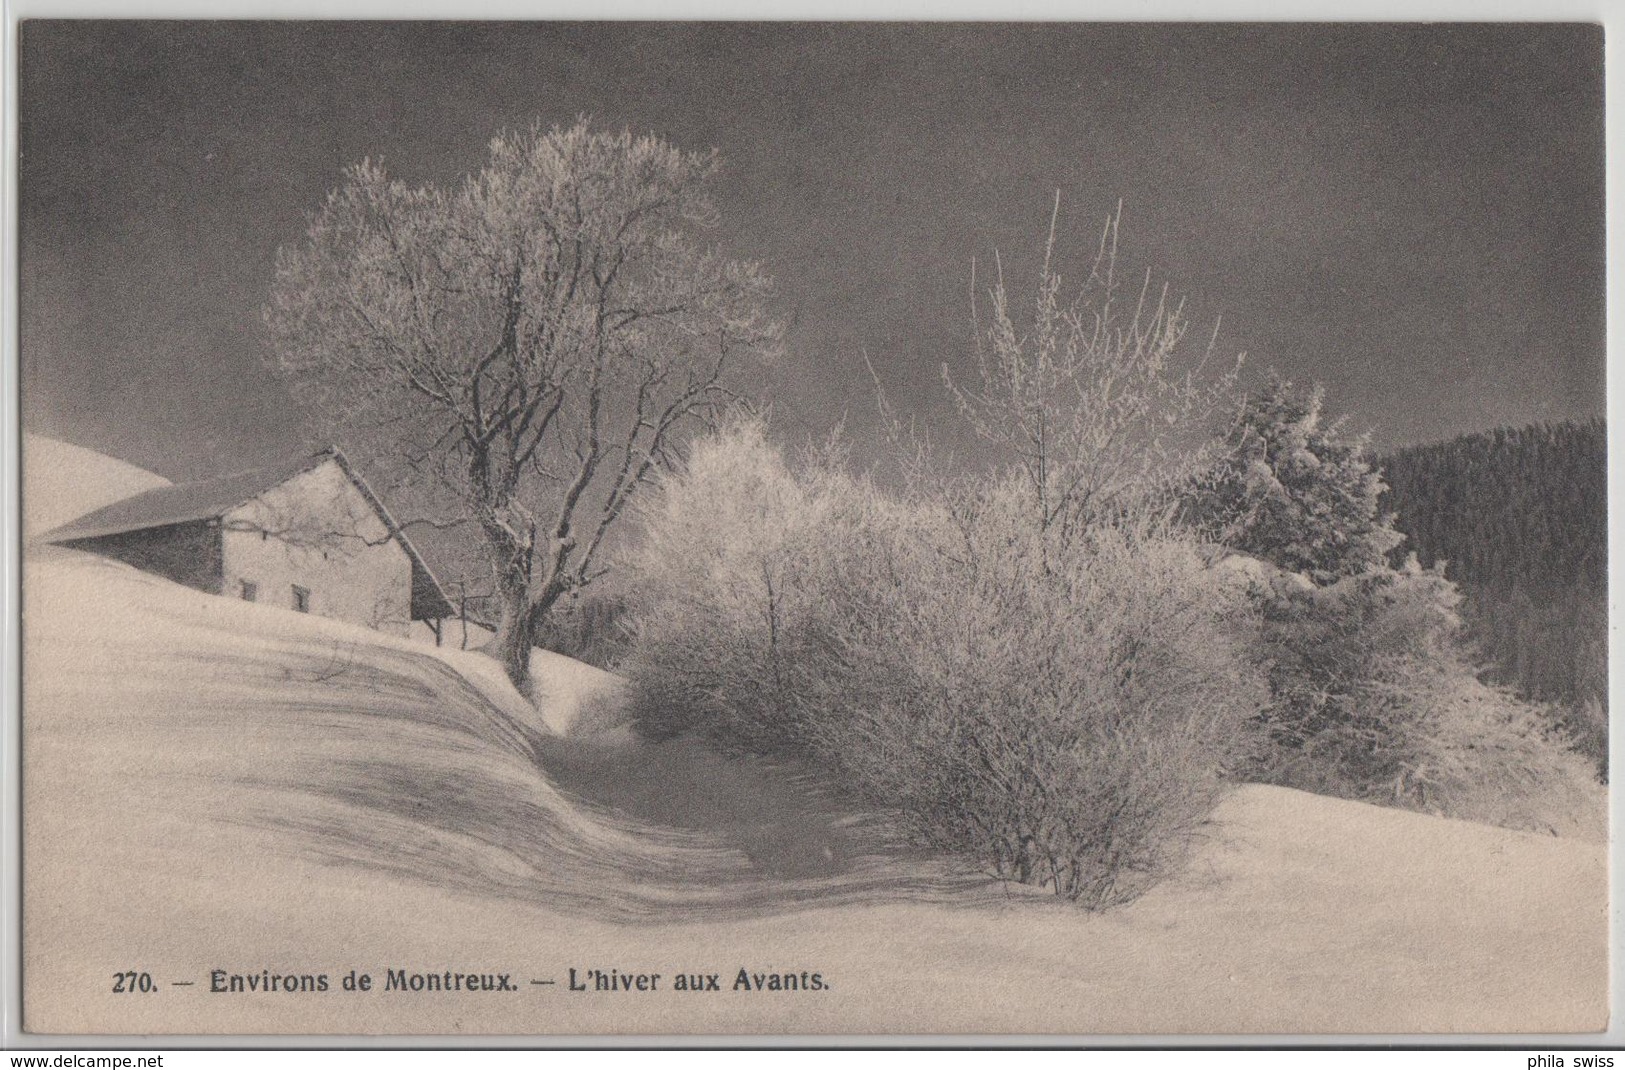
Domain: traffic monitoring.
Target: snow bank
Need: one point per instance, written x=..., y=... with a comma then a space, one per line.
x=356, y=746
x=577, y=699
x=62, y=482
x=571, y=697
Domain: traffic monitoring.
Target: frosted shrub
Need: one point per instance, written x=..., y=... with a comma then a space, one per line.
x=725, y=589
x=1490, y=756
x=1373, y=699
x=1062, y=715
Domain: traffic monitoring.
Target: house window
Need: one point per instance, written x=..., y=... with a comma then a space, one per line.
x=249, y=591
x=301, y=598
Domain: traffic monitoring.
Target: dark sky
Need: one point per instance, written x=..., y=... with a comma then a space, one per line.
x=1411, y=215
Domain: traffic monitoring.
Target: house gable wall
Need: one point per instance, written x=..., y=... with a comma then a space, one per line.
x=317, y=532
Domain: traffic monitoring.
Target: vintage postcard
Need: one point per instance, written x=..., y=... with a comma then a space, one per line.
x=541, y=529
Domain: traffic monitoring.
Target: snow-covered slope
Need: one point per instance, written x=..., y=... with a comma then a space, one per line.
x=575, y=699
x=370, y=747
x=62, y=481
x=215, y=785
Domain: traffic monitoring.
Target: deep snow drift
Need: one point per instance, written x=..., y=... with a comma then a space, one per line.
x=211, y=784
x=62, y=482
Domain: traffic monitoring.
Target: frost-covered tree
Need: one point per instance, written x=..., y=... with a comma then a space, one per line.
x=1373, y=694
x=529, y=341
x=1297, y=490
x=1092, y=389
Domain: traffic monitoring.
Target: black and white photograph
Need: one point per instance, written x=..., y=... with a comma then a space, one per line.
x=616, y=529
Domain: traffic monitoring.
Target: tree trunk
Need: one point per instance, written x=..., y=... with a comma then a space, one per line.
x=522, y=621
x=512, y=643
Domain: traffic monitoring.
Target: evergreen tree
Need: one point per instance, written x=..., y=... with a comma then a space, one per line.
x=1297, y=490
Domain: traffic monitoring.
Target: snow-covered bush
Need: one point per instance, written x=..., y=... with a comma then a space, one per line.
x=1065, y=714
x=726, y=584
x=1062, y=716
x=1373, y=698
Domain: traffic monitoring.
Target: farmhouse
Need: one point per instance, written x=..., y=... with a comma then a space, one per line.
x=309, y=536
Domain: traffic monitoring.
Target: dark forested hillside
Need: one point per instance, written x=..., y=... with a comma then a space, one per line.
x=1520, y=516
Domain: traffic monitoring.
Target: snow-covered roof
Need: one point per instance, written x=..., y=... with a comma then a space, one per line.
x=208, y=499
x=181, y=502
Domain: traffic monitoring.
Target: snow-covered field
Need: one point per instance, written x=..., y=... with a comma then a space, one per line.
x=212, y=785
